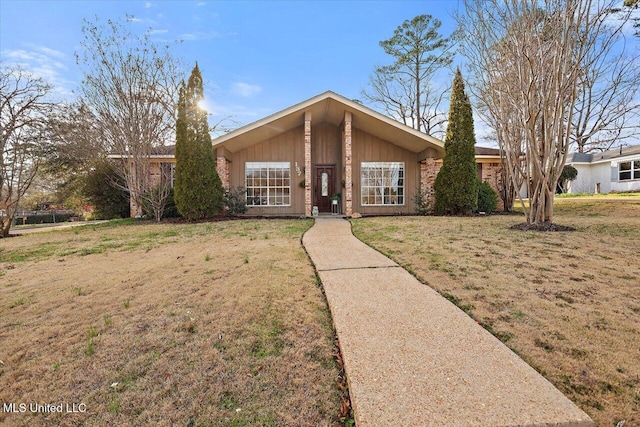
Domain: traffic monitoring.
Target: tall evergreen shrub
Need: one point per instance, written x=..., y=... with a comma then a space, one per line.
x=456, y=186
x=198, y=189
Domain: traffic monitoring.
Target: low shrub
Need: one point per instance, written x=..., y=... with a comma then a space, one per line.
x=170, y=209
x=487, y=198
x=235, y=201
x=423, y=207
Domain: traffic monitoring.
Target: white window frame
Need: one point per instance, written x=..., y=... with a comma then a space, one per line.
x=375, y=186
x=634, y=172
x=274, y=190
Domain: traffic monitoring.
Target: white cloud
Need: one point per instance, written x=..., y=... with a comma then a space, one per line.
x=187, y=37
x=152, y=32
x=245, y=89
x=50, y=52
x=131, y=18
x=39, y=56
x=201, y=3
x=147, y=5
x=203, y=36
x=43, y=62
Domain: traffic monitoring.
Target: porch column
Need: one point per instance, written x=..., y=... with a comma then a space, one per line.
x=307, y=163
x=429, y=169
x=348, y=177
x=222, y=167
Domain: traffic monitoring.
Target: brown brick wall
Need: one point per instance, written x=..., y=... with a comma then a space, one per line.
x=348, y=166
x=429, y=169
x=223, y=168
x=491, y=174
x=307, y=164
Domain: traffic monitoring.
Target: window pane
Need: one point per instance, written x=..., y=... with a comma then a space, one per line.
x=267, y=182
x=382, y=183
x=325, y=184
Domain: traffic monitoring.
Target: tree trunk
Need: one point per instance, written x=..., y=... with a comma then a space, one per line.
x=541, y=202
x=418, y=116
x=6, y=226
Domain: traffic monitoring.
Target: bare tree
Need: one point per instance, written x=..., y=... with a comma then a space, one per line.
x=528, y=58
x=607, y=108
x=634, y=4
x=23, y=137
x=130, y=87
x=405, y=89
x=76, y=150
x=75, y=140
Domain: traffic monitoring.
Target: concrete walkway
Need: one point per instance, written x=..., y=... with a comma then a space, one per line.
x=414, y=359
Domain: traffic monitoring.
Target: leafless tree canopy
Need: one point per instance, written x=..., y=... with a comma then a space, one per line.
x=607, y=111
x=75, y=140
x=130, y=88
x=530, y=60
x=405, y=89
x=23, y=137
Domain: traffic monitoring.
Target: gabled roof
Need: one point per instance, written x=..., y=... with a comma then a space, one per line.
x=329, y=107
x=164, y=150
x=487, y=151
x=604, y=156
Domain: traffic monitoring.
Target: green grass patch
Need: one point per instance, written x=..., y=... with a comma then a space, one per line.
x=268, y=338
x=89, y=349
x=18, y=302
x=36, y=252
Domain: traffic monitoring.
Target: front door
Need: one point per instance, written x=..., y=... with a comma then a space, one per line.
x=324, y=187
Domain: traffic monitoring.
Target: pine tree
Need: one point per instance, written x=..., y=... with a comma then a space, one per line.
x=456, y=186
x=198, y=189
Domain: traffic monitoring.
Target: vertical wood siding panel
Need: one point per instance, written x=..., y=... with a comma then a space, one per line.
x=369, y=148
x=284, y=148
x=327, y=148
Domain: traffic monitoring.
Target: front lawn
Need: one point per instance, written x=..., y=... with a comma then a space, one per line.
x=568, y=303
x=144, y=324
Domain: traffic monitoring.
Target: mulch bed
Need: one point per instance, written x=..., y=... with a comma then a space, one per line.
x=545, y=226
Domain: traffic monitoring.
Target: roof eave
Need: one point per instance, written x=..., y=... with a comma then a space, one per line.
x=300, y=108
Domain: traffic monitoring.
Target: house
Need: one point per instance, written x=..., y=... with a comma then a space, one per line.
x=162, y=166
x=614, y=170
x=330, y=153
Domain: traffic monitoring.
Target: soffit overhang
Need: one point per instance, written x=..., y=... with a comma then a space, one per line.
x=330, y=107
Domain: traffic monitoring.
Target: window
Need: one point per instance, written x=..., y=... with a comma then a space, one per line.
x=629, y=170
x=268, y=183
x=167, y=173
x=382, y=183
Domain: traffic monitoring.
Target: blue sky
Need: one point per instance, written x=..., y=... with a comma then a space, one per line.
x=257, y=57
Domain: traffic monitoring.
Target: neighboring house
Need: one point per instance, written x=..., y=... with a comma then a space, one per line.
x=615, y=170
x=331, y=148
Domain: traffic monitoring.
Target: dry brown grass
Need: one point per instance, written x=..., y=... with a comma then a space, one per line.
x=568, y=303
x=205, y=324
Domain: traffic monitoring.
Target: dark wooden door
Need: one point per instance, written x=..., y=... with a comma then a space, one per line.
x=324, y=187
